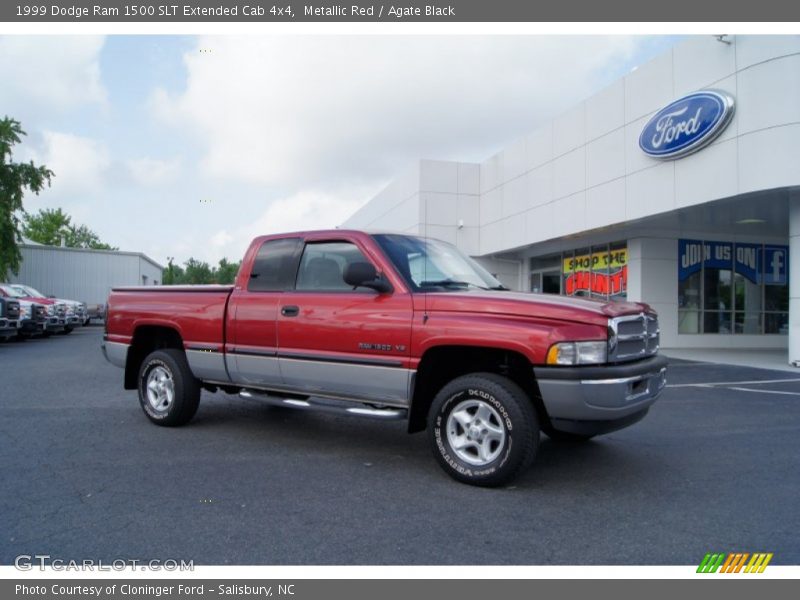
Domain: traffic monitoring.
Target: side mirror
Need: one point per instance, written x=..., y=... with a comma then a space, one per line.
x=363, y=274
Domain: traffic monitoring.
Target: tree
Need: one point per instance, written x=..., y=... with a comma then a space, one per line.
x=15, y=178
x=174, y=273
x=226, y=271
x=48, y=226
x=196, y=271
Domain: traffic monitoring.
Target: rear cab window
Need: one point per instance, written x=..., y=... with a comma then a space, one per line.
x=275, y=266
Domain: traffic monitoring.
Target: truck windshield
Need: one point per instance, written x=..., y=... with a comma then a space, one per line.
x=433, y=265
x=29, y=291
x=11, y=292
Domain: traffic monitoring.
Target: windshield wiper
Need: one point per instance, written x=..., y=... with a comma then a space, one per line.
x=499, y=288
x=451, y=283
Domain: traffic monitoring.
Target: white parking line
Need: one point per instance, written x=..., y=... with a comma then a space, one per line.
x=729, y=383
x=741, y=389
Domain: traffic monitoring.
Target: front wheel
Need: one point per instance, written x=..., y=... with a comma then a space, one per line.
x=484, y=429
x=168, y=391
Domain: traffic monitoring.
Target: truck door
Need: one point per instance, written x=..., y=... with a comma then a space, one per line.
x=251, y=337
x=337, y=341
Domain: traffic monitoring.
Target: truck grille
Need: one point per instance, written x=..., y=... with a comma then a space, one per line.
x=39, y=313
x=12, y=309
x=633, y=337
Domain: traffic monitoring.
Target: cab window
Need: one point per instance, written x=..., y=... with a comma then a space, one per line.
x=274, y=266
x=322, y=266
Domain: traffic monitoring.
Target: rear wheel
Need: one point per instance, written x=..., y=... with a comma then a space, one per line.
x=168, y=391
x=484, y=429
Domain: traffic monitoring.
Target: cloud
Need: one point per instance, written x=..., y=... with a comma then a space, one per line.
x=79, y=163
x=301, y=211
x=289, y=110
x=52, y=73
x=152, y=171
x=221, y=239
x=81, y=169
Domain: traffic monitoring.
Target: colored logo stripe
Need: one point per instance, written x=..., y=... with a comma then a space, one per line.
x=758, y=563
x=710, y=563
x=734, y=562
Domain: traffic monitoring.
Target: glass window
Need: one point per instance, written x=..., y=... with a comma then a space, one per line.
x=599, y=272
x=578, y=273
x=433, y=265
x=776, y=323
x=551, y=282
x=323, y=264
x=690, y=287
x=732, y=288
x=618, y=271
x=689, y=321
x=776, y=297
x=274, y=266
x=599, y=269
x=747, y=322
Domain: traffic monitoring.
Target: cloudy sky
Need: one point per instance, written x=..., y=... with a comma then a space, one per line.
x=191, y=145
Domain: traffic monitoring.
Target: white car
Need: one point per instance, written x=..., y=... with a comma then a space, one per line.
x=76, y=311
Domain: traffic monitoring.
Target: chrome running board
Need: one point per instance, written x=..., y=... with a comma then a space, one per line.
x=330, y=406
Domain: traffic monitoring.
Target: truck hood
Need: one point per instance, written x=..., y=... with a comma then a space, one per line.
x=563, y=308
x=35, y=300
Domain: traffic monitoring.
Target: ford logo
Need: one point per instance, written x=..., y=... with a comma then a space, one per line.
x=687, y=124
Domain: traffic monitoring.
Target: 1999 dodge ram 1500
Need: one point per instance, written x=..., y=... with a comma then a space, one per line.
x=393, y=327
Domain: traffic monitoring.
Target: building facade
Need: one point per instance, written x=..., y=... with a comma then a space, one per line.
x=82, y=274
x=678, y=185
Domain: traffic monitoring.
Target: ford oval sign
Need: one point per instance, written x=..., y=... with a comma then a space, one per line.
x=687, y=124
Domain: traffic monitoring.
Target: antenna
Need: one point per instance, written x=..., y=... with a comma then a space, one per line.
x=425, y=257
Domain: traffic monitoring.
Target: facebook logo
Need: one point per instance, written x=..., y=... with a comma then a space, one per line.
x=776, y=265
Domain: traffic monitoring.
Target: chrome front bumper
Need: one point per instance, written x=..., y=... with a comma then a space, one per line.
x=601, y=394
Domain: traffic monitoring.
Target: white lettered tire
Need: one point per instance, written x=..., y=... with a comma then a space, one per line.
x=168, y=391
x=483, y=429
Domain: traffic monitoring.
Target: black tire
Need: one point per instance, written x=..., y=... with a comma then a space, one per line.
x=565, y=436
x=509, y=407
x=185, y=388
x=68, y=329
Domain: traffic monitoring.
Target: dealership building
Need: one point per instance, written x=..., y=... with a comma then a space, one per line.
x=677, y=185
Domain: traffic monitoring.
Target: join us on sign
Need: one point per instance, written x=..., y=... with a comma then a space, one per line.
x=757, y=262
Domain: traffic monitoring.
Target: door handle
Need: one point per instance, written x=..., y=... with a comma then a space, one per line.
x=290, y=311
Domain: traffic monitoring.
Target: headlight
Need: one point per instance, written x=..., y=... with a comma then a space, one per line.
x=577, y=353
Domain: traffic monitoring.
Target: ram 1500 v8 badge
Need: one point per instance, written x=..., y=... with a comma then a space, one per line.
x=392, y=326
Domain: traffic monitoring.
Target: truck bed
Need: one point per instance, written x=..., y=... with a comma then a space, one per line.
x=196, y=312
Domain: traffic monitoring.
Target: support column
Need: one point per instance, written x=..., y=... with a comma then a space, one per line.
x=653, y=278
x=794, y=277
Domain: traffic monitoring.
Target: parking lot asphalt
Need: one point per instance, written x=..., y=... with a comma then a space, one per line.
x=714, y=467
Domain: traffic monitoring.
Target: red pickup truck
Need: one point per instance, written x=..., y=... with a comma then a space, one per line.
x=392, y=326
